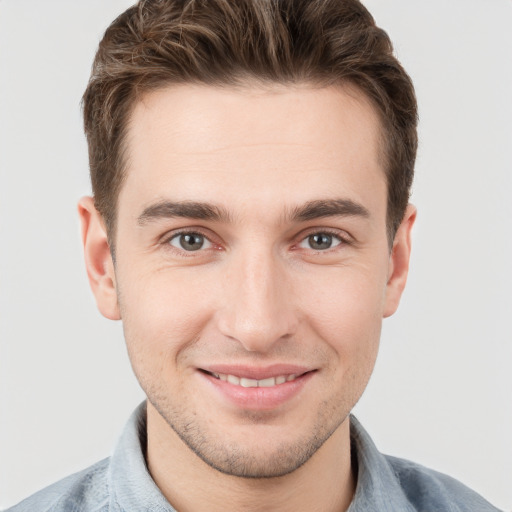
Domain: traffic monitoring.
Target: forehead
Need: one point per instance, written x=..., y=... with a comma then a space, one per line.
x=208, y=141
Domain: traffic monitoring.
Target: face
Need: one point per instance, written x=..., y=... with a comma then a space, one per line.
x=252, y=267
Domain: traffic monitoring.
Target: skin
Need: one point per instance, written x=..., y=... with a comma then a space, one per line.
x=259, y=292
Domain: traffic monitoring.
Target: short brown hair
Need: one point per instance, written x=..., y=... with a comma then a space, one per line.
x=157, y=43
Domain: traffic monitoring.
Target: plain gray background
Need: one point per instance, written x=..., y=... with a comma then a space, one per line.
x=442, y=390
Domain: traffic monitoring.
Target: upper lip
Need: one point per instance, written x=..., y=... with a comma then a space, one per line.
x=257, y=372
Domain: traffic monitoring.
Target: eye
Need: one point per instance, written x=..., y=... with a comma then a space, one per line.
x=320, y=241
x=190, y=242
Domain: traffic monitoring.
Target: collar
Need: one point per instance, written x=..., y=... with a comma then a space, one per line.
x=378, y=488
x=132, y=488
x=130, y=484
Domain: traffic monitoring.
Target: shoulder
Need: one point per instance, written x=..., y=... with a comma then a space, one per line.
x=86, y=491
x=427, y=489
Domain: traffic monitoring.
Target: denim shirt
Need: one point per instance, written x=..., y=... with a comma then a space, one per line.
x=122, y=483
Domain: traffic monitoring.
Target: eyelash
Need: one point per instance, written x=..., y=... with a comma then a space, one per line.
x=175, y=234
x=343, y=240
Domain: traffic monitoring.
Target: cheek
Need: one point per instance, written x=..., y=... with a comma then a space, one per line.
x=162, y=314
x=346, y=311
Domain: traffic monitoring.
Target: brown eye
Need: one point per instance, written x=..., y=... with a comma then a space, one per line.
x=190, y=241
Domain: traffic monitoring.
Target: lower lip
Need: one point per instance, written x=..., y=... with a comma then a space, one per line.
x=259, y=399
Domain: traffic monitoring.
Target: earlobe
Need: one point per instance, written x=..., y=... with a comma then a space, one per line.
x=98, y=259
x=399, y=262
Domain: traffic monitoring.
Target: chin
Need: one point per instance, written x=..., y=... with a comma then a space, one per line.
x=256, y=451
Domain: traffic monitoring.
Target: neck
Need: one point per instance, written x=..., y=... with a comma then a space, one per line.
x=324, y=483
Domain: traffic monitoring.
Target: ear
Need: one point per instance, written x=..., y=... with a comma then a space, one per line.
x=98, y=259
x=399, y=262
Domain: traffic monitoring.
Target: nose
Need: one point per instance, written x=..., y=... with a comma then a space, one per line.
x=258, y=308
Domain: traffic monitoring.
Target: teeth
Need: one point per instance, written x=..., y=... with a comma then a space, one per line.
x=268, y=383
x=232, y=379
x=248, y=383
x=253, y=383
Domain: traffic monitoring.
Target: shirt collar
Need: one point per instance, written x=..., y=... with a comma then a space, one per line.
x=132, y=488
x=378, y=488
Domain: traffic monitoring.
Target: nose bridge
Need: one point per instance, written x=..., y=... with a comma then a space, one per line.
x=257, y=311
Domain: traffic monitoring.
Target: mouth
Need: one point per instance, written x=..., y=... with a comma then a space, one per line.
x=247, y=382
x=251, y=388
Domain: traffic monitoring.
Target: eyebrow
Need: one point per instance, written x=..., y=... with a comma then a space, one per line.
x=320, y=208
x=311, y=210
x=184, y=209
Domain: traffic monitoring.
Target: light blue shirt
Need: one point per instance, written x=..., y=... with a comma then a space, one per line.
x=122, y=483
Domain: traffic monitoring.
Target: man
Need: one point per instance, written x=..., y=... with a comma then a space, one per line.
x=251, y=165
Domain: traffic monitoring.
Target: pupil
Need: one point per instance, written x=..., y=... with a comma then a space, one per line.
x=320, y=241
x=191, y=242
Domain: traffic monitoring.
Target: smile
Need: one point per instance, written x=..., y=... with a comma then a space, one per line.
x=257, y=389
x=254, y=383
